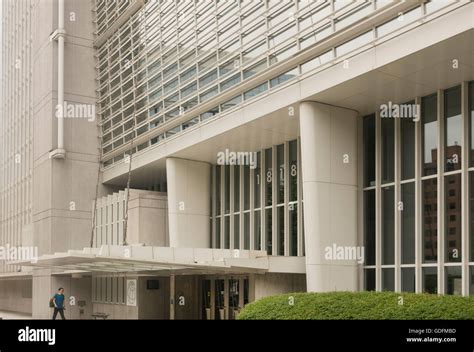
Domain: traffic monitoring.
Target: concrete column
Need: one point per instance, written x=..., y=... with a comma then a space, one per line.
x=189, y=203
x=329, y=175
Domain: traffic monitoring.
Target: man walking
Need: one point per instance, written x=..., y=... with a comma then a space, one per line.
x=58, y=301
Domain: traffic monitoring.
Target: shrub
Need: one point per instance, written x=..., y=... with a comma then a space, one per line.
x=360, y=306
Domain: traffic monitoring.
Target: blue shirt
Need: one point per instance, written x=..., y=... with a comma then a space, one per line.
x=59, y=299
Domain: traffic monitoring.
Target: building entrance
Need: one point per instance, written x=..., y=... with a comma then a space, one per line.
x=223, y=297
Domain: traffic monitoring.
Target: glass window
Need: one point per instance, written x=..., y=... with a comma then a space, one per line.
x=229, y=83
x=293, y=165
x=408, y=223
x=236, y=188
x=388, y=150
x=388, y=226
x=429, y=131
x=218, y=232
x=430, y=280
x=246, y=190
x=354, y=43
x=388, y=279
x=453, y=280
x=268, y=177
x=293, y=225
x=274, y=82
x=227, y=189
x=453, y=217
x=399, y=22
x=254, y=69
x=268, y=233
x=471, y=214
x=452, y=130
x=430, y=220
x=281, y=174
x=247, y=231
x=208, y=78
x=227, y=232
x=369, y=151
x=369, y=279
x=408, y=279
x=257, y=182
x=281, y=230
x=257, y=231
x=369, y=227
x=471, y=281
x=407, y=131
x=237, y=231
x=256, y=91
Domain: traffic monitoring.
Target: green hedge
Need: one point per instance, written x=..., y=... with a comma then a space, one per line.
x=359, y=306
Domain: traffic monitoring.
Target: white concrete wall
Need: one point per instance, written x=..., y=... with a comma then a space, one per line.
x=63, y=190
x=189, y=203
x=271, y=284
x=328, y=139
x=16, y=295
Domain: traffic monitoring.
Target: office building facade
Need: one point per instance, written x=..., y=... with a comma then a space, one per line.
x=206, y=154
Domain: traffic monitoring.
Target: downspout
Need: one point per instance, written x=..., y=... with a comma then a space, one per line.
x=59, y=35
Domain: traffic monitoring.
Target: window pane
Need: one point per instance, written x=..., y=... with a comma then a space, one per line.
x=388, y=279
x=453, y=280
x=388, y=150
x=369, y=227
x=227, y=189
x=293, y=219
x=408, y=149
x=452, y=131
x=430, y=220
x=281, y=230
x=281, y=174
x=268, y=177
x=369, y=151
x=293, y=164
x=218, y=190
x=408, y=223
x=236, y=231
x=227, y=232
x=429, y=116
x=247, y=231
x=388, y=226
x=257, y=182
x=268, y=233
x=236, y=188
x=471, y=214
x=218, y=232
x=471, y=281
x=430, y=280
x=452, y=222
x=369, y=280
x=257, y=231
x=408, y=279
x=246, y=189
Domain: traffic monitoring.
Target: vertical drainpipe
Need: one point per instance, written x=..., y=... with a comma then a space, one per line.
x=59, y=35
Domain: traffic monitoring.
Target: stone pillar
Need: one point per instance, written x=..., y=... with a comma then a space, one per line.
x=189, y=203
x=329, y=177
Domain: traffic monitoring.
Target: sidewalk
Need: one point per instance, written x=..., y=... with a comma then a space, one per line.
x=14, y=316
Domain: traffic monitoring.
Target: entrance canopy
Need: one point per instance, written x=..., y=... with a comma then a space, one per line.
x=137, y=259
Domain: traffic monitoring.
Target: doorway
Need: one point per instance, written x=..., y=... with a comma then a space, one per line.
x=222, y=298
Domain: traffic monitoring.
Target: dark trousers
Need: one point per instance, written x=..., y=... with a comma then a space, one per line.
x=61, y=312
